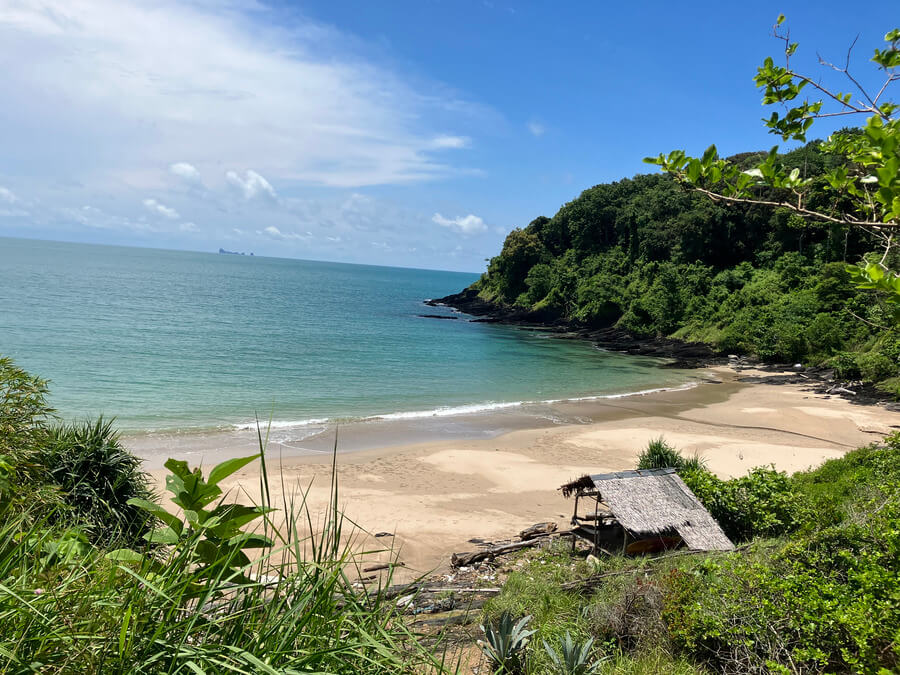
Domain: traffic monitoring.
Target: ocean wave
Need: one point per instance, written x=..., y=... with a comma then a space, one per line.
x=282, y=424
x=453, y=411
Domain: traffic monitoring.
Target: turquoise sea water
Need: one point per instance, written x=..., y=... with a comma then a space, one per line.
x=178, y=340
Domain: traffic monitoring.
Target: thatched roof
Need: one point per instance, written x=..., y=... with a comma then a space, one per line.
x=654, y=501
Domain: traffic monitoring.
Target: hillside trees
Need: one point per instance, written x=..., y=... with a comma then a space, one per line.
x=854, y=184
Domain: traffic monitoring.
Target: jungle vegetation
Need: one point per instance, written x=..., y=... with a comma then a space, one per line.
x=787, y=256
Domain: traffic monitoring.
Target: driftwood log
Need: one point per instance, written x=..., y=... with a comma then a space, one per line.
x=537, y=530
x=382, y=566
x=466, y=558
x=489, y=553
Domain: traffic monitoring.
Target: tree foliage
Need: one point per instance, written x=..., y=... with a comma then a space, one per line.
x=861, y=189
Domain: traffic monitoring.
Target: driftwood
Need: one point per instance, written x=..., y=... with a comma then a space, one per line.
x=382, y=566
x=467, y=558
x=537, y=530
x=492, y=551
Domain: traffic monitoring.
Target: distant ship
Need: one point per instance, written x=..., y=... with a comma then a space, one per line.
x=224, y=252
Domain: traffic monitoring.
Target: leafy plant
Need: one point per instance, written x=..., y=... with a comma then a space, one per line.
x=764, y=503
x=660, y=455
x=213, y=538
x=505, y=643
x=97, y=478
x=574, y=658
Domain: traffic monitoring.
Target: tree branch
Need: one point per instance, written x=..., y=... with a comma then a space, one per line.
x=715, y=196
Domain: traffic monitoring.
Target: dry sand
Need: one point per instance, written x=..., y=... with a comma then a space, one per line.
x=433, y=497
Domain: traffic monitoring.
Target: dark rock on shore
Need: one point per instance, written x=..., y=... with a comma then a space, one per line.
x=438, y=316
x=683, y=354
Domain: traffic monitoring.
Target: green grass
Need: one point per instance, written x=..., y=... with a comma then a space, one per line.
x=65, y=607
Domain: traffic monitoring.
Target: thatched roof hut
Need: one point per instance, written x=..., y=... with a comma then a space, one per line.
x=648, y=503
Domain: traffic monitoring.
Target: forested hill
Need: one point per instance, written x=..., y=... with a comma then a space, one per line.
x=647, y=256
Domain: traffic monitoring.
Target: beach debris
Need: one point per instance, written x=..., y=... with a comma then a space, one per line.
x=382, y=566
x=841, y=390
x=537, y=530
x=467, y=558
x=383, y=534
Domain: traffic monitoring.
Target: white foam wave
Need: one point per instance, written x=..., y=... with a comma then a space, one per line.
x=281, y=424
x=452, y=411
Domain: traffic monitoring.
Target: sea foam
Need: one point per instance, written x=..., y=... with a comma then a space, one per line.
x=453, y=411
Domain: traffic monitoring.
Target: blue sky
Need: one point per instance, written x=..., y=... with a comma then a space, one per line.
x=411, y=133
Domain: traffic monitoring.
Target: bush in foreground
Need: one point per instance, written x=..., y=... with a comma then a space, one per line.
x=198, y=603
x=97, y=477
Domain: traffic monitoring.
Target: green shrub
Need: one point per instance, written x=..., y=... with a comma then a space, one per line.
x=875, y=366
x=23, y=415
x=822, y=603
x=845, y=366
x=660, y=455
x=764, y=503
x=97, y=477
x=837, y=488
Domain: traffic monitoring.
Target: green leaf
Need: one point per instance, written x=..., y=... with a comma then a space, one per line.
x=163, y=535
x=156, y=510
x=125, y=555
x=228, y=467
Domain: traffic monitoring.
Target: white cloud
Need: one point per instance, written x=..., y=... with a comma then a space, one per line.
x=186, y=171
x=7, y=196
x=252, y=185
x=470, y=224
x=158, y=208
x=275, y=233
x=233, y=85
x=95, y=218
x=455, y=142
x=188, y=227
x=536, y=128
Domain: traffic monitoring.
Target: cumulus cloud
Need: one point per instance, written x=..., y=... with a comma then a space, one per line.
x=160, y=209
x=251, y=185
x=470, y=224
x=536, y=129
x=185, y=171
x=7, y=196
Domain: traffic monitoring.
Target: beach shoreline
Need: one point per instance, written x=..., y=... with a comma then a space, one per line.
x=435, y=496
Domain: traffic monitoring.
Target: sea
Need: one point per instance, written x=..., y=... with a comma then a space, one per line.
x=175, y=341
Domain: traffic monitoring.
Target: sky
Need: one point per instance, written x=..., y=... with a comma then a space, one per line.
x=414, y=133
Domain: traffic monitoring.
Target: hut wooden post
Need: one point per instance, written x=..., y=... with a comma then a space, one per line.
x=575, y=521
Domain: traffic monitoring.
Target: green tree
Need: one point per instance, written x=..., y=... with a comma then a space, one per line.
x=863, y=185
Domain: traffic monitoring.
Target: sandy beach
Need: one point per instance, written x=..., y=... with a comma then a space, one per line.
x=435, y=496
